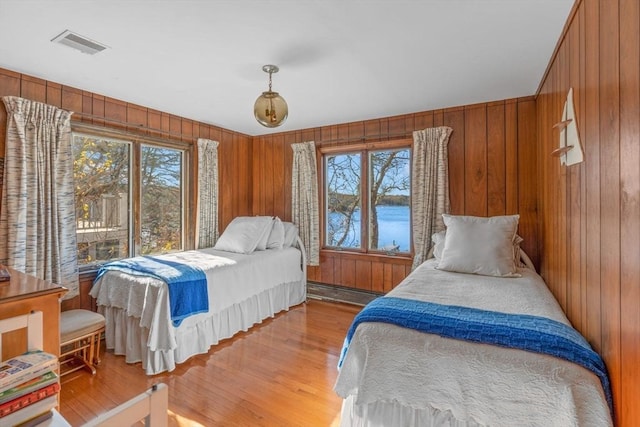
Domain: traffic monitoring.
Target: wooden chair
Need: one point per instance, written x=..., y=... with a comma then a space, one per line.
x=80, y=334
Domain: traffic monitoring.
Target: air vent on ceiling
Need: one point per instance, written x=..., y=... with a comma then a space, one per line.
x=76, y=41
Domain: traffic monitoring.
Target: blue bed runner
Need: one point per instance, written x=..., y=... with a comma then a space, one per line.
x=187, y=284
x=521, y=331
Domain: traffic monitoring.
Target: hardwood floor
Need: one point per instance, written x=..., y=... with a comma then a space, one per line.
x=279, y=373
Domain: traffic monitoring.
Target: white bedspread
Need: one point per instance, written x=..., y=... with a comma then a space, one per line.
x=242, y=289
x=392, y=373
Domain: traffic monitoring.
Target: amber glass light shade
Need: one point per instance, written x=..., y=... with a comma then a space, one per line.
x=270, y=109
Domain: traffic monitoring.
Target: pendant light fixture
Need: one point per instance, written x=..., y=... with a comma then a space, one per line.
x=270, y=109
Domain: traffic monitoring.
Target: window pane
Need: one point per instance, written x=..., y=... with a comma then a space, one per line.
x=161, y=209
x=101, y=173
x=389, y=208
x=343, y=200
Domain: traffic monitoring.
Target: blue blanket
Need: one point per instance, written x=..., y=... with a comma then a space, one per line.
x=187, y=285
x=525, y=332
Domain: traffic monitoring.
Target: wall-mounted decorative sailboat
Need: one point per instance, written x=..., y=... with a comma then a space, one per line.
x=570, y=149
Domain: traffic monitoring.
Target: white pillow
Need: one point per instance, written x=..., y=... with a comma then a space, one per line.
x=438, y=245
x=244, y=234
x=264, y=238
x=290, y=234
x=480, y=245
x=276, y=237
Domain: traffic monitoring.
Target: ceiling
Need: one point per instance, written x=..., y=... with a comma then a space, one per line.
x=340, y=60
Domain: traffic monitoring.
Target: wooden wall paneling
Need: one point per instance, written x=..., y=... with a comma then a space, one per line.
x=327, y=268
x=396, y=127
x=574, y=291
x=423, y=120
x=288, y=168
x=387, y=281
x=98, y=109
x=154, y=121
x=527, y=177
x=581, y=111
x=87, y=107
x=630, y=210
x=596, y=226
x=377, y=277
x=348, y=272
x=233, y=170
x=457, y=173
x=116, y=113
x=72, y=99
x=438, y=118
x=186, y=130
x=165, y=124
x=225, y=164
x=33, y=88
x=592, y=152
x=363, y=275
x=54, y=94
x=268, y=188
x=397, y=274
x=371, y=129
x=475, y=160
x=137, y=118
x=560, y=198
x=175, y=126
x=246, y=174
x=356, y=130
x=258, y=171
x=610, y=186
x=496, y=160
x=511, y=158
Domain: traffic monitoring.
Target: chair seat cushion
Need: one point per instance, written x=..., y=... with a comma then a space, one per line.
x=77, y=323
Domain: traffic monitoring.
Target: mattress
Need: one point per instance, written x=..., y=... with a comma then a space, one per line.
x=242, y=289
x=397, y=376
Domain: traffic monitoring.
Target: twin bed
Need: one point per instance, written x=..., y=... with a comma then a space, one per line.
x=249, y=277
x=471, y=337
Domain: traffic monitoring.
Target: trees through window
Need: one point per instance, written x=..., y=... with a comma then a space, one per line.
x=367, y=200
x=103, y=171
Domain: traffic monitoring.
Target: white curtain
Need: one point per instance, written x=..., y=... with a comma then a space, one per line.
x=207, y=207
x=304, y=195
x=429, y=187
x=37, y=217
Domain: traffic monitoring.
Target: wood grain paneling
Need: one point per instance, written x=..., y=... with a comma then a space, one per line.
x=490, y=145
x=590, y=213
x=234, y=151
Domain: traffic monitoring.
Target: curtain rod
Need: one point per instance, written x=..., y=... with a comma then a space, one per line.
x=406, y=134
x=79, y=126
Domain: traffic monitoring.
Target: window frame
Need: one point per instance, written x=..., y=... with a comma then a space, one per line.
x=136, y=142
x=364, y=149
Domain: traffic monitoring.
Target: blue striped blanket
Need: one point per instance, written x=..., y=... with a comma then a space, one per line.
x=187, y=284
x=525, y=332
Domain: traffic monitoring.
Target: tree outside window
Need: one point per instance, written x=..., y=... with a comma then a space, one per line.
x=104, y=206
x=379, y=180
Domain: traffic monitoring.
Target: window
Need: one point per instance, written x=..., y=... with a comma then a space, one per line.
x=104, y=177
x=161, y=189
x=367, y=200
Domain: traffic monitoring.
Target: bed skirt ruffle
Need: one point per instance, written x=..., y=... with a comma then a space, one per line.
x=125, y=335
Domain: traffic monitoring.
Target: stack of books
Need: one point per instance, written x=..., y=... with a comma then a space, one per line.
x=29, y=387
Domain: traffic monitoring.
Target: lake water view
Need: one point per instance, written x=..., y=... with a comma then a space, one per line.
x=394, y=226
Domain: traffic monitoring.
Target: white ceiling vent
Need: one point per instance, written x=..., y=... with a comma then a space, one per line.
x=81, y=43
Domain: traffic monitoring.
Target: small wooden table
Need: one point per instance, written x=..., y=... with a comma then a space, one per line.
x=22, y=294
